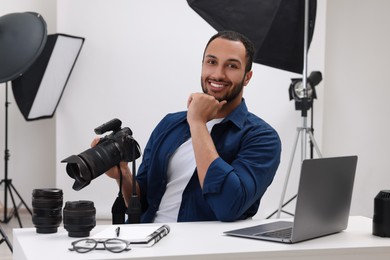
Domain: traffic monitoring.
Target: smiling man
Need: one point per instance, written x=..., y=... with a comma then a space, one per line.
x=215, y=160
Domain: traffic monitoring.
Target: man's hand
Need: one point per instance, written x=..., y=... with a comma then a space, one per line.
x=114, y=171
x=202, y=108
x=127, y=177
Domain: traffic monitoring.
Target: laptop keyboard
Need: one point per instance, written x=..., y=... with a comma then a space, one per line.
x=281, y=233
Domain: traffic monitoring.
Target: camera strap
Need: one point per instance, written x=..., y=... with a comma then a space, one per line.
x=120, y=181
x=119, y=209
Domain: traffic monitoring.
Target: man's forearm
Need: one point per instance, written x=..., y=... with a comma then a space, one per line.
x=204, y=149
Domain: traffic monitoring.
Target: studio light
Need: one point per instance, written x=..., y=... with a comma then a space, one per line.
x=16, y=30
x=22, y=39
x=39, y=67
x=304, y=96
x=38, y=91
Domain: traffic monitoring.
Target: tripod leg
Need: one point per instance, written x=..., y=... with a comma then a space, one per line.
x=314, y=143
x=15, y=212
x=288, y=172
x=21, y=199
x=284, y=204
x=9, y=187
x=5, y=238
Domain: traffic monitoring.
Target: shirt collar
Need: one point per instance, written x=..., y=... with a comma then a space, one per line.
x=238, y=115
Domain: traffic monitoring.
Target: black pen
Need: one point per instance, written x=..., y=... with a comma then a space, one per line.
x=117, y=230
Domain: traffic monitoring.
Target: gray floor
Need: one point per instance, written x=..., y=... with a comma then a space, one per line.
x=26, y=220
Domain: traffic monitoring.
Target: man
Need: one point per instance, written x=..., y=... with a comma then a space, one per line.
x=214, y=161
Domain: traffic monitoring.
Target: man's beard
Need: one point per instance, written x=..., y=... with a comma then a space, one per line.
x=229, y=96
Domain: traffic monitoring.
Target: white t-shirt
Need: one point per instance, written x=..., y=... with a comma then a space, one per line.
x=181, y=166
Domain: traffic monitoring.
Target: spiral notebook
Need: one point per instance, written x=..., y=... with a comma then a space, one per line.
x=139, y=235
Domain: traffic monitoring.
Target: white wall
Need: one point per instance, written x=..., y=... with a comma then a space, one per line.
x=32, y=162
x=141, y=60
x=357, y=93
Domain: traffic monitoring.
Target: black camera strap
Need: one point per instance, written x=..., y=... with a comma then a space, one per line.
x=119, y=209
x=134, y=209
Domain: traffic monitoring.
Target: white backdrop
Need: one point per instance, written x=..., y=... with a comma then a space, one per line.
x=140, y=60
x=356, y=120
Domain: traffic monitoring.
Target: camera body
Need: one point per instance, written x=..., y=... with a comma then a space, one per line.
x=122, y=139
x=111, y=149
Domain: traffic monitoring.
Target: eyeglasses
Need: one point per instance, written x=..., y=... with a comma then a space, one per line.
x=114, y=245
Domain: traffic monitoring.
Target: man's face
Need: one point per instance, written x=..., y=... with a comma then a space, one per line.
x=223, y=70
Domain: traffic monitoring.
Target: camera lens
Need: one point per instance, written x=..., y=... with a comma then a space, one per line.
x=111, y=149
x=47, y=210
x=79, y=218
x=92, y=163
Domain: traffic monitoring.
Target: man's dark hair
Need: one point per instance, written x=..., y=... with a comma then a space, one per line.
x=235, y=36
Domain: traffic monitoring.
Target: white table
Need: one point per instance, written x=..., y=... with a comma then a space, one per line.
x=205, y=240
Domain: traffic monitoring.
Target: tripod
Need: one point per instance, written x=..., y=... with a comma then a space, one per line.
x=303, y=103
x=302, y=132
x=8, y=186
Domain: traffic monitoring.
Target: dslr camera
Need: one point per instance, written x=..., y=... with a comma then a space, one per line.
x=111, y=149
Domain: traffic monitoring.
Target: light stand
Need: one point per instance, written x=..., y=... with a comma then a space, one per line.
x=302, y=132
x=39, y=68
x=7, y=182
x=8, y=186
x=300, y=92
x=22, y=39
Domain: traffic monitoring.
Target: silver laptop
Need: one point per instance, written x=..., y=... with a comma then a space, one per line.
x=322, y=206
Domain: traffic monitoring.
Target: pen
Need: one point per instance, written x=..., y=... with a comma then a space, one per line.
x=117, y=230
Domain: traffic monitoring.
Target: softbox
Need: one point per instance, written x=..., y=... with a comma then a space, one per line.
x=38, y=91
x=276, y=27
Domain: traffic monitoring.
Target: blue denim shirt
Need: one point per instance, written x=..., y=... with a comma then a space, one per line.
x=249, y=155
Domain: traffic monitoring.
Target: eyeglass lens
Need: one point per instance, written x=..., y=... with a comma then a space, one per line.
x=116, y=245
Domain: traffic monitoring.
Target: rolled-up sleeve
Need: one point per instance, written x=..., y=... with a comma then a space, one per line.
x=233, y=189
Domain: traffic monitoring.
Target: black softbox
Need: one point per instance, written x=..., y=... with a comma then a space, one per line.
x=38, y=91
x=275, y=26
